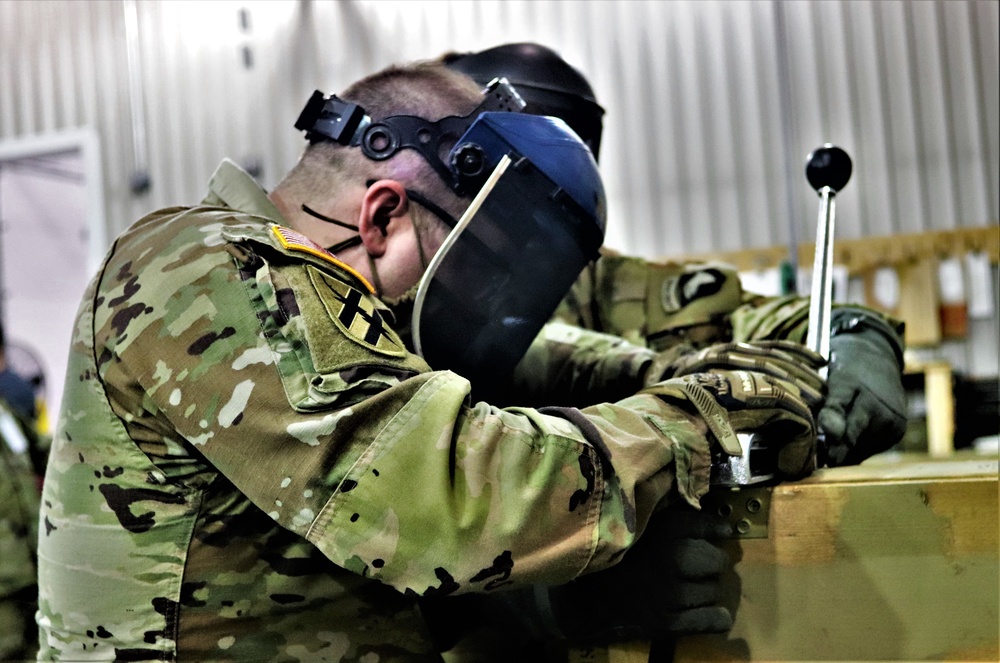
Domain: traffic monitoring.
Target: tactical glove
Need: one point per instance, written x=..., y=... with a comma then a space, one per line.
x=731, y=402
x=865, y=408
x=667, y=584
x=786, y=360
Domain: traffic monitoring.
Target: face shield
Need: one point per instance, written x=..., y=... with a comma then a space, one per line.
x=538, y=219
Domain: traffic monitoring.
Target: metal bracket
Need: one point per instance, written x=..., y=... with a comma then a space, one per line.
x=746, y=508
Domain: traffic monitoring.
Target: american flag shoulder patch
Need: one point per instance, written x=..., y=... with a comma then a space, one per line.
x=296, y=241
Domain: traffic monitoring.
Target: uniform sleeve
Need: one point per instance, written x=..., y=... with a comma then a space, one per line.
x=284, y=377
x=654, y=303
x=568, y=365
x=784, y=318
x=661, y=304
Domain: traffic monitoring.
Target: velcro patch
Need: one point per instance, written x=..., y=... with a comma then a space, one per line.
x=679, y=291
x=355, y=314
x=296, y=241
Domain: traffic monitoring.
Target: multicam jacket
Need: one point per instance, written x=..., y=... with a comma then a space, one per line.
x=667, y=307
x=18, y=517
x=624, y=310
x=663, y=304
x=250, y=465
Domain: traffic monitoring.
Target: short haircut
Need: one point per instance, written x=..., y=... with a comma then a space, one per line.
x=424, y=89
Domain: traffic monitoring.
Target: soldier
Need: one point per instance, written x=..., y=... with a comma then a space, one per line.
x=23, y=396
x=21, y=456
x=14, y=389
x=690, y=314
x=677, y=308
x=18, y=536
x=251, y=463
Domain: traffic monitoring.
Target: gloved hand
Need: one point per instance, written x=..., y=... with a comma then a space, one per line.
x=745, y=401
x=786, y=360
x=865, y=408
x=667, y=584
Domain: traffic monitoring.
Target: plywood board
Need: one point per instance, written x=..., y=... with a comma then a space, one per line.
x=884, y=562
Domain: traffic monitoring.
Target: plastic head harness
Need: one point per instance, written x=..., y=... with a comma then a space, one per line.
x=331, y=118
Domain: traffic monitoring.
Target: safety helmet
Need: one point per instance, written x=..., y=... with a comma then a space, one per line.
x=547, y=83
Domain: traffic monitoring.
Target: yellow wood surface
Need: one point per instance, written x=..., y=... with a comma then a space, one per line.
x=940, y=399
x=885, y=561
x=892, y=560
x=940, y=409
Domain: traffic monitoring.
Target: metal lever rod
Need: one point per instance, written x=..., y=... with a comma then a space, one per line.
x=828, y=169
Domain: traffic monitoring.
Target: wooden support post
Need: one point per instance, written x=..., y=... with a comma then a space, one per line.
x=940, y=409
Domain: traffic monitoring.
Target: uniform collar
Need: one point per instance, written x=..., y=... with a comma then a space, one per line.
x=233, y=187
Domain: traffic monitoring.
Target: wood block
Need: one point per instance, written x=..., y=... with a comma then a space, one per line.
x=878, y=562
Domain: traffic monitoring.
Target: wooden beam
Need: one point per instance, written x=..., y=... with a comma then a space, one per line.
x=860, y=255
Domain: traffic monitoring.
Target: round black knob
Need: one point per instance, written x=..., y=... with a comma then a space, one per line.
x=828, y=166
x=469, y=159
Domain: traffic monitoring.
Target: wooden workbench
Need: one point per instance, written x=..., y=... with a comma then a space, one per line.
x=893, y=560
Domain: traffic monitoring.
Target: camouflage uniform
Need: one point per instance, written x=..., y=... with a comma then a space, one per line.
x=661, y=305
x=625, y=314
x=18, y=535
x=250, y=465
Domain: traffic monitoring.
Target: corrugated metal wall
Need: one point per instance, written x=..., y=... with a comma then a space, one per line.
x=712, y=106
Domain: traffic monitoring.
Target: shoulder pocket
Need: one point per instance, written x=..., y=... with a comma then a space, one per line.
x=331, y=344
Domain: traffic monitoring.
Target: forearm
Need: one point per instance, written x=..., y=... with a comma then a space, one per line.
x=787, y=318
x=567, y=365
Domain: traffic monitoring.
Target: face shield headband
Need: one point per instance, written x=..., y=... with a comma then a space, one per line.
x=331, y=118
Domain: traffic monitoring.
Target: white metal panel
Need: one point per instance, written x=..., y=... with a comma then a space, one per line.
x=663, y=168
x=53, y=239
x=985, y=18
x=770, y=226
x=898, y=76
x=701, y=151
x=930, y=103
x=971, y=187
x=872, y=181
x=836, y=101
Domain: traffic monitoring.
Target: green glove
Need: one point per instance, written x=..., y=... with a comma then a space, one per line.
x=865, y=408
x=743, y=401
x=786, y=360
x=667, y=584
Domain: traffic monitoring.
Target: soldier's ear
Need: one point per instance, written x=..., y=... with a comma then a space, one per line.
x=384, y=201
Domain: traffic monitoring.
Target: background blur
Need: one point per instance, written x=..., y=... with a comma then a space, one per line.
x=110, y=108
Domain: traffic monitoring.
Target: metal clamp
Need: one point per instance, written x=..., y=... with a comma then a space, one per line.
x=747, y=509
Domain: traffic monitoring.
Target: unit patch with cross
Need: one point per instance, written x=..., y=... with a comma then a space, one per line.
x=355, y=314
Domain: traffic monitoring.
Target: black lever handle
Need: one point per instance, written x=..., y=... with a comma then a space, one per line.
x=828, y=166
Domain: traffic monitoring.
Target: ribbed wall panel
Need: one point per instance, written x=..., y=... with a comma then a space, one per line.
x=703, y=150
x=695, y=149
